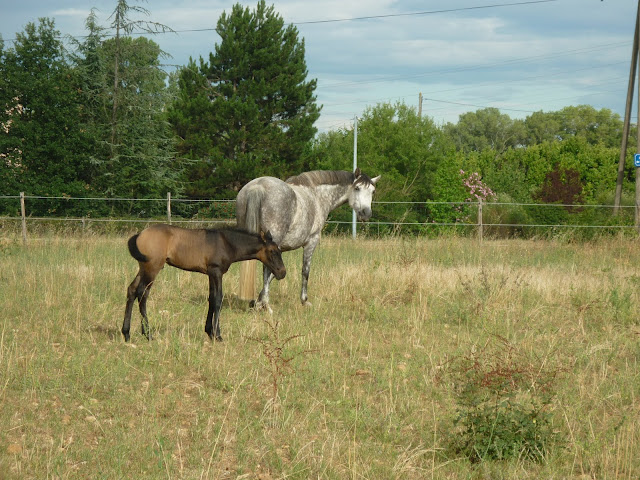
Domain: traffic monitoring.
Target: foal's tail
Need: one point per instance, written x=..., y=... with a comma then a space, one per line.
x=135, y=251
x=251, y=222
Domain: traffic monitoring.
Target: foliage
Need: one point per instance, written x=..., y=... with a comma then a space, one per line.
x=503, y=404
x=395, y=142
x=67, y=134
x=486, y=128
x=102, y=121
x=126, y=97
x=561, y=185
x=42, y=148
x=258, y=105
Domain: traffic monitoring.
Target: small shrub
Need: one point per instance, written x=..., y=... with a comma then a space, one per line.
x=503, y=405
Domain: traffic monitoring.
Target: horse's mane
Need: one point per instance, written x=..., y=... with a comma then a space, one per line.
x=322, y=177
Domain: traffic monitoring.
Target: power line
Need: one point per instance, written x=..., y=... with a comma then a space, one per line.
x=336, y=20
x=428, y=12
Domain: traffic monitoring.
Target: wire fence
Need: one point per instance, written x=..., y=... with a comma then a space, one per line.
x=401, y=217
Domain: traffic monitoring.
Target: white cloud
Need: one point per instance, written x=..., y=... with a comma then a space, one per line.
x=541, y=56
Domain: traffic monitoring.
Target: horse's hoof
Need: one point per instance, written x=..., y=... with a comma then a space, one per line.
x=260, y=305
x=307, y=303
x=126, y=337
x=218, y=339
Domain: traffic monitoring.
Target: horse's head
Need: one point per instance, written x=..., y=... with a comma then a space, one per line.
x=361, y=194
x=271, y=256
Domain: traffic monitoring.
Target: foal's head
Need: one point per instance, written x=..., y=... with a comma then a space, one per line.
x=271, y=255
x=361, y=194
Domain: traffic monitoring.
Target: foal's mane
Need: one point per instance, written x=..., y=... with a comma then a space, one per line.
x=322, y=177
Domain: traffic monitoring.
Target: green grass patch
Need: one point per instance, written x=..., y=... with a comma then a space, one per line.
x=420, y=358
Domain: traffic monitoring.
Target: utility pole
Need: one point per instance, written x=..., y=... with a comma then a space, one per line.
x=420, y=105
x=355, y=165
x=627, y=120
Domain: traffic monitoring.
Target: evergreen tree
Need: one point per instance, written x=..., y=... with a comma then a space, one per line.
x=259, y=107
x=43, y=148
x=125, y=98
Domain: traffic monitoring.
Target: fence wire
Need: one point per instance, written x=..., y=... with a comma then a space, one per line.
x=392, y=216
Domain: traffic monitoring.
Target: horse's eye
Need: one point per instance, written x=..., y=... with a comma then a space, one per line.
x=357, y=189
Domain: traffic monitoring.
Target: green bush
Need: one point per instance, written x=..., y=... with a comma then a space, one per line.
x=503, y=405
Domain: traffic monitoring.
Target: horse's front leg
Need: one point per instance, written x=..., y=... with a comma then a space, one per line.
x=212, y=326
x=307, y=253
x=263, y=297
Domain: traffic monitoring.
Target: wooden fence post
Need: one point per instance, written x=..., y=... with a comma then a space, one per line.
x=480, y=225
x=24, y=219
x=169, y=207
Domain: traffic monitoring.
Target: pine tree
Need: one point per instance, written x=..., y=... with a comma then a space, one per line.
x=258, y=105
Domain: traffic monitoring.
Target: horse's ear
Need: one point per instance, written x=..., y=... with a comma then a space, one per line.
x=375, y=179
x=266, y=237
x=357, y=172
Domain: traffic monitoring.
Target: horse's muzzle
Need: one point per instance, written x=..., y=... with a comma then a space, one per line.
x=364, y=214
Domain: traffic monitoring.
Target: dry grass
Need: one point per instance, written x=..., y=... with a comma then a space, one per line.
x=362, y=396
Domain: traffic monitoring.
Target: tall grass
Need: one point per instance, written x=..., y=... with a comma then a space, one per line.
x=375, y=368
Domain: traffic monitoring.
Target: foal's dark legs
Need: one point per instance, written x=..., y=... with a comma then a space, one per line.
x=212, y=326
x=131, y=297
x=142, y=304
x=139, y=289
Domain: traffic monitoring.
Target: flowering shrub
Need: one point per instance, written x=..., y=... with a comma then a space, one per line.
x=476, y=190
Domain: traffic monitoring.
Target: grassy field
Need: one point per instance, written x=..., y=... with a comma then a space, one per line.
x=420, y=358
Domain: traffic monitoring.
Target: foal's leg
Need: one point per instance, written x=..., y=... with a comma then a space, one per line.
x=131, y=297
x=143, y=294
x=215, y=303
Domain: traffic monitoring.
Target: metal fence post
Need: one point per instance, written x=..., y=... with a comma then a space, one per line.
x=24, y=219
x=169, y=207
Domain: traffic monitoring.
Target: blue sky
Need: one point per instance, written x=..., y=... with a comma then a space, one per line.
x=514, y=55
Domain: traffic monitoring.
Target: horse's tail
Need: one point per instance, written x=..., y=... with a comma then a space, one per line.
x=250, y=219
x=135, y=251
x=251, y=214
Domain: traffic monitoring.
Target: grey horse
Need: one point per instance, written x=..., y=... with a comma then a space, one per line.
x=295, y=211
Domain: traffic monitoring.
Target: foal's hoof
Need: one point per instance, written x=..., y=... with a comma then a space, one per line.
x=214, y=338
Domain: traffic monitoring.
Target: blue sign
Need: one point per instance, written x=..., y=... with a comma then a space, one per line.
x=636, y=159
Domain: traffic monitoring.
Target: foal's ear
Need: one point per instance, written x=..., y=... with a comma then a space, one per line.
x=266, y=237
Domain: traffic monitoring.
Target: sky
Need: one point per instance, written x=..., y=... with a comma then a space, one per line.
x=515, y=55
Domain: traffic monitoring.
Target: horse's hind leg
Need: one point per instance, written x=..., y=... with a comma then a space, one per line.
x=143, y=294
x=307, y=253
x=131, y=297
